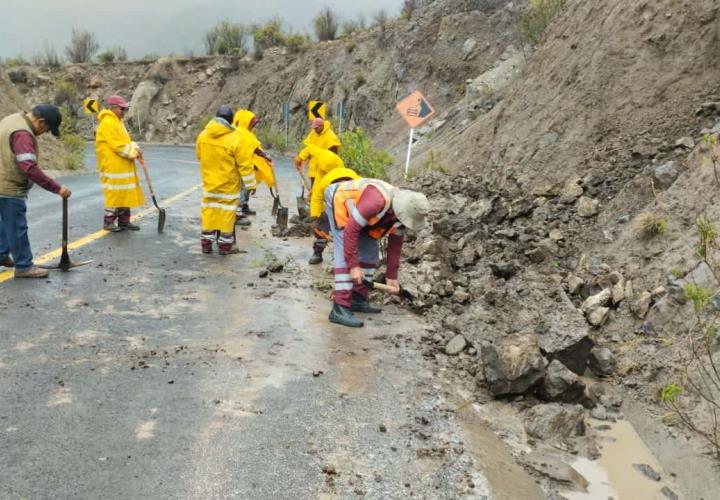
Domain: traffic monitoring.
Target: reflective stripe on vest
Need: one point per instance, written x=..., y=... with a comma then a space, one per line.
x=347, y=195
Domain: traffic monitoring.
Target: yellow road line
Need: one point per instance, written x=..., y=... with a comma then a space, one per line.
x=55, y=254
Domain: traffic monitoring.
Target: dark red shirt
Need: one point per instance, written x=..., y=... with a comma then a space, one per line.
x=370, y=204
x=22, y=145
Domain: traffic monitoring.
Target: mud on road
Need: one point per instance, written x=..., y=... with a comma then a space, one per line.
x=158, y=371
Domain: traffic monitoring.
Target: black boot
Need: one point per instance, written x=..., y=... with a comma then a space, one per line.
x=316, y=258
x=343, y=316
x=360, y=304
x=246, y=210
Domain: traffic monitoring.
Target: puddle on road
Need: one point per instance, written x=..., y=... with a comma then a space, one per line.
x=614, y=475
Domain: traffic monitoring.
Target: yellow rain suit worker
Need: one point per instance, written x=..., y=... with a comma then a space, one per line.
x=225, y=164
x=116, y=154
x=245, y=121
x=325, y=162
x=321, y=135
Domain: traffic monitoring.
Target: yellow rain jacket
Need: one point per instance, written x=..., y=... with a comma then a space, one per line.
x=225, y=162
x=116, y=154
x=317, y=200
x=323, y=159
x=325, y=140
x=263, y=170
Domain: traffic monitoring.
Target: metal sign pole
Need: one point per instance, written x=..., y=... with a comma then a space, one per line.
x=407, y=161
x=286, y=116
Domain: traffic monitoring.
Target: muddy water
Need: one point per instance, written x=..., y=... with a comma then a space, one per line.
x=614, y=474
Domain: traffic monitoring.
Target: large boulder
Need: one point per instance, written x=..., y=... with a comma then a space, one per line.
x=512, y=365
x=554, y=420
x=141, y=103
x=565, y=334
x=560, y=384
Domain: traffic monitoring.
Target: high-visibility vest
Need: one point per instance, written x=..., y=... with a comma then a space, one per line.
x=345, y=201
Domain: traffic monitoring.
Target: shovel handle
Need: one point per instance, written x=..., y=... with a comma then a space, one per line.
x=141, y=160
x=384, y=288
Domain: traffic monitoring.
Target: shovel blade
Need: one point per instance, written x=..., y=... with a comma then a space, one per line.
x=303, y=207
x=282, y=217
x=161, y=220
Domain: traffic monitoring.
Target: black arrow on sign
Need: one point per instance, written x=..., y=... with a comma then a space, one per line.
x=424, y=109
x=91, y=105
x=315, y=110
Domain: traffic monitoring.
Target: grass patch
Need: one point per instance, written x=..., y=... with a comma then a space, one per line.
x=649, y=224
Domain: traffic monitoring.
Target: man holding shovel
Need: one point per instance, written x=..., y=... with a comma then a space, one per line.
x=360, y=213
x=324, y=161
x=225, y=165
x=116, y=155
x=19, y=169
x=245, y=121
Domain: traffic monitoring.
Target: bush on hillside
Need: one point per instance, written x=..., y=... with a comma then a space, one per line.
x=74, y=158
x=112, y=54
x=273, y=138
x=359, y=153
x=66, y=94
x=269, y=35
x=226, y=38
x=326, y=25
x=18, y=60
x=537, y=17
x=48, y=56
x=297, y=43
x=408, y=9
x=83, y=46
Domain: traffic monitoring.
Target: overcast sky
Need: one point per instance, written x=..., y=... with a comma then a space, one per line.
x=155, y=26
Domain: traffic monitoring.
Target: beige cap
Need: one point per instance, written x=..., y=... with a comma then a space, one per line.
x=411, y=208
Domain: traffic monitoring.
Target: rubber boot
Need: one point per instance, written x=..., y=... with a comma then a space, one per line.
x=246, y=210
x=226, y=244
x=344, y=316
x=110, y=221
x=207, y=238
x=241, y=220
x=124, y=220
x=360, y=304
x=316, y=258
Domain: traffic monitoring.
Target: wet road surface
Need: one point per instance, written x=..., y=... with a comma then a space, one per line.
x=158, y=372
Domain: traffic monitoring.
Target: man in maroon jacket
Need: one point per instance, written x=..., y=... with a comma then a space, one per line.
x=361, y=212
x=19, y=170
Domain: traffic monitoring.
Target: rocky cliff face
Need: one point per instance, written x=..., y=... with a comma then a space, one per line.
x=443, y=45
x=11, y=101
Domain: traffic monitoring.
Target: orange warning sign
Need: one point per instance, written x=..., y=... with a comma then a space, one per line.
x=415, y=109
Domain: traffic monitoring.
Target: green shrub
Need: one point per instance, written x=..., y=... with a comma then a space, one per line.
x=226, y=38
x=269, y=35
x=359, y=154
x=74, y=158
x=649, y=224
x=106, y=56
x=273, y=138
x=326, y=25
x=360, y=80
x=297, y=43
x=66, y=94
x=18, y=60
x=537, y=17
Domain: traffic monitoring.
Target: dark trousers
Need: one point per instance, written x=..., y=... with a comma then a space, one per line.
x=14, y=232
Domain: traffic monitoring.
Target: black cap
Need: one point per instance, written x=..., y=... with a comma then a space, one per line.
x=226, y=113
x=52, y=116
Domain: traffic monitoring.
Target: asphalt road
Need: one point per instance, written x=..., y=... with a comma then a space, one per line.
x=158, y=372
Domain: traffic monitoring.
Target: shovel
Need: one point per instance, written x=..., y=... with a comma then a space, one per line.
x=303, y=205
x=161, y=211
x=278, y=210
x=65, y=263
x=404, y=293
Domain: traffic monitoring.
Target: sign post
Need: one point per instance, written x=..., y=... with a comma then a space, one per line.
x=340, y=112
x=286, y=119
x=416, y=110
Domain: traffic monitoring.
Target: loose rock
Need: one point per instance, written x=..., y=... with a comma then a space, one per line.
x=555, y=420
x=602, y=361
x=648, y=471
x=513, y=364
x=587, y=207
x=560, y=384
x=456, y=345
